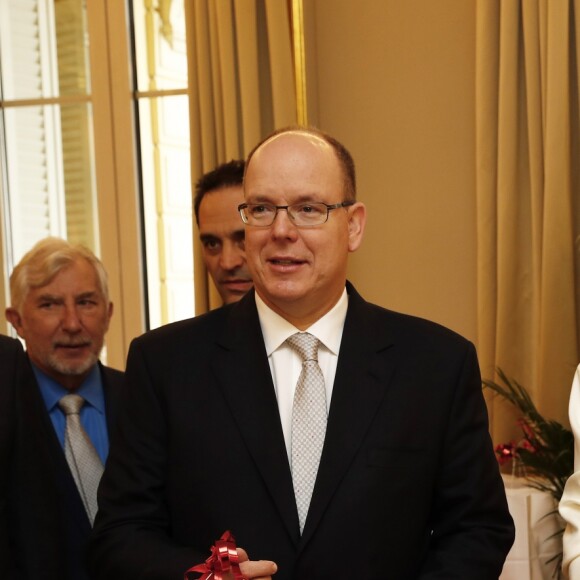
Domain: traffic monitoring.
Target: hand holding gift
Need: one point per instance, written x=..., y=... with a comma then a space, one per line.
x=224, y=563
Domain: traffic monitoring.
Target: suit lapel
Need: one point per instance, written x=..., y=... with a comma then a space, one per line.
x=112, y=381
x=365, y=365
x=364, y=369
x=242, y=368
x=48, y=453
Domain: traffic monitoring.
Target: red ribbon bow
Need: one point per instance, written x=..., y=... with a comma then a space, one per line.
x=223, y=564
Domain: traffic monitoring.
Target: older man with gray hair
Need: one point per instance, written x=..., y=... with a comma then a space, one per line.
x=60, y=307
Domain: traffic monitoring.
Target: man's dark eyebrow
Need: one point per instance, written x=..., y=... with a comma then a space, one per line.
x=57, y=298
x=90, y=294
x=208, y=238
x=48, y=298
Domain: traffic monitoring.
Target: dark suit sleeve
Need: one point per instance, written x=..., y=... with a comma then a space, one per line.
x=472, y=527
x=11, y=365
x=131, y=533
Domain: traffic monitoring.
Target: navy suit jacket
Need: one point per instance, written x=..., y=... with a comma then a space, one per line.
x=47, y=523
x=408, y=485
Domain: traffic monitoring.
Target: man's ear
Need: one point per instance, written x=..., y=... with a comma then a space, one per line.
x=357, y=217
x=109, y=313
x=14, y=318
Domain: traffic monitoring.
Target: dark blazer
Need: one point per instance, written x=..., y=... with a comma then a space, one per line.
x=12, y=361
x=49, y=528
x=408, y=485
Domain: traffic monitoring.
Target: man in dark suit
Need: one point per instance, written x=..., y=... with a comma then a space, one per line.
x=60, y=307
x=406, y=485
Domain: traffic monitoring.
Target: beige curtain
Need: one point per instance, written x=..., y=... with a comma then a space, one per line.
x=528, y=200
x=241, y=81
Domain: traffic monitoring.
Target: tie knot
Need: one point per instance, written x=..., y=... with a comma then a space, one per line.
x=305, y=344
x=71, y=404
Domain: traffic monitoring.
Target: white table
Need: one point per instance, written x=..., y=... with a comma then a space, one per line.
x=533, y=546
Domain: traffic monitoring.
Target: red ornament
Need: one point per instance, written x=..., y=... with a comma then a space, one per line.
x=223, y=564
x=505, y=452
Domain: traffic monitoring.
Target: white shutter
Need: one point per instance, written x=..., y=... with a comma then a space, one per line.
x=81, y=203
x=34, y=196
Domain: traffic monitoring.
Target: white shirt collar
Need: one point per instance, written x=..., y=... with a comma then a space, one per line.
x=328, y=329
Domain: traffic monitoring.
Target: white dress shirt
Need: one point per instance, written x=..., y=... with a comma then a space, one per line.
x=570, y=502
x=285, y=363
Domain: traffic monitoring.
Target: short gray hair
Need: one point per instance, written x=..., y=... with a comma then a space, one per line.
x=44, y=261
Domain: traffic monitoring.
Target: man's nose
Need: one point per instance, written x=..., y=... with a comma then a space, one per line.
x=283, y=226
x=232, y=256
x=71, y=320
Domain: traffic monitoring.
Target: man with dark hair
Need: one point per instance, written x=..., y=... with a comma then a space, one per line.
x=65, y=408
x=217, y=196
x=332, y=437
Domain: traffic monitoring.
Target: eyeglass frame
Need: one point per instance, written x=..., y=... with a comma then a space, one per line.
x=329, y=207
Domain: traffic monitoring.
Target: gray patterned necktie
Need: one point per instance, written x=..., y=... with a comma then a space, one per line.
x=81, y=455
x=308, y=421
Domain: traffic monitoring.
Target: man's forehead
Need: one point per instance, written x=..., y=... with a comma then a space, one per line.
x=219, y=194
x=85, y=281
x=47, y=292
x=220, y=207
x=290, y=152
x=298, y=160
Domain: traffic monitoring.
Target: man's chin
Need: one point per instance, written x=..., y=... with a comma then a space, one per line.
x=230, y=295
x=235, y=290
x=73, y=368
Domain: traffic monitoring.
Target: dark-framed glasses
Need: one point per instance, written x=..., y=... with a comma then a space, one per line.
x=303, y=214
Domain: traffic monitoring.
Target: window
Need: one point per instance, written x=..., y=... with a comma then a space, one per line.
x=163, y=105
x=48, y=162
x=76, y=137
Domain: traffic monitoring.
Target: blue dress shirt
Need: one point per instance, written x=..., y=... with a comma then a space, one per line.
x=92, y=414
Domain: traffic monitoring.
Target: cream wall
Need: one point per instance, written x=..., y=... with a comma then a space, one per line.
x=394, y=81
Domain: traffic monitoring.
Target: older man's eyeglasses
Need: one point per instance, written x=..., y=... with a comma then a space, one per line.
x=302, y=214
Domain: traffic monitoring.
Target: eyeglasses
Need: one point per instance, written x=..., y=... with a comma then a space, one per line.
x=303, y=215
